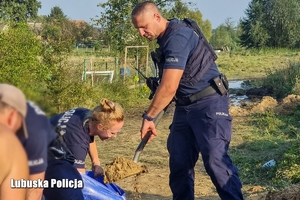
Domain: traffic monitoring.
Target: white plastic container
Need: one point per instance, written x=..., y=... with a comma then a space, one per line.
x=270, y=163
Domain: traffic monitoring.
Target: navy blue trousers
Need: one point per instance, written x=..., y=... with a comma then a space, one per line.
x=202, y=127
x=61, y=169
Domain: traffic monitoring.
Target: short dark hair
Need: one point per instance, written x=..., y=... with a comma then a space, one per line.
x=140, y=7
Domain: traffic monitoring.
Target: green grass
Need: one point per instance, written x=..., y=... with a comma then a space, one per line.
x=256, y=139
x=267, y=136
x=263, y=136
x=270, y=136
x=245, y=64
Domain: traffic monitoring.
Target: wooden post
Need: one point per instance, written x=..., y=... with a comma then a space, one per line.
x=92, y=72
x=137, y=66
x=116, y=67
x=125, y=62
x=147, y=61
x=84, y=70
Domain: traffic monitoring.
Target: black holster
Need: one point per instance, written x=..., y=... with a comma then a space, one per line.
x=222, y=84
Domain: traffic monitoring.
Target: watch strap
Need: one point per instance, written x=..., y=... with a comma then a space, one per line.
x=145, y=116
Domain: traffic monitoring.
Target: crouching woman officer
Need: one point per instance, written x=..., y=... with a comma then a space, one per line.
x=77, y=128
x=80, y=125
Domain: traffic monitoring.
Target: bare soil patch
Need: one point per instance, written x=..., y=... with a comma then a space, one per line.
x=154, y=184
x=290, y=193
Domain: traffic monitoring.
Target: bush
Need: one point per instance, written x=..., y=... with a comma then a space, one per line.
x=19, y=59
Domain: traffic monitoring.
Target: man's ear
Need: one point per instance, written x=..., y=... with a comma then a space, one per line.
x=12, y=118
x=157, y=17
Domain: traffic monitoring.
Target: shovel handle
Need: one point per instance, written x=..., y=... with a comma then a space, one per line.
x=144, y=141
x=141, y=146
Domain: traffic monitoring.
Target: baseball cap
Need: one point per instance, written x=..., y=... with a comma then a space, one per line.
x=15, y=98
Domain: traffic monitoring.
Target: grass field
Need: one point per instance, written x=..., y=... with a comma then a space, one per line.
x=256, y=138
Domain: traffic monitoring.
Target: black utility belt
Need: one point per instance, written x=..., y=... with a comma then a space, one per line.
x=220, y=85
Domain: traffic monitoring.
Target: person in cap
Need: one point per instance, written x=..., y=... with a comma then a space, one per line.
x=13, y=159
x=40, y=136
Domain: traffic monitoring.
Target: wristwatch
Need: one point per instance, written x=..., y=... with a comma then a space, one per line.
x=146, y=117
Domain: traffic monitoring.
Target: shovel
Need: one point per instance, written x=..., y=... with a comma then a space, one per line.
x=122, y=168
x=144, y=141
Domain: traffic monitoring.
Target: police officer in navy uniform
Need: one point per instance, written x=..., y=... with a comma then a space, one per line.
x=201, y=122
x=80, y=125
x=76, y=134
x=77, y=128
x=40, y=136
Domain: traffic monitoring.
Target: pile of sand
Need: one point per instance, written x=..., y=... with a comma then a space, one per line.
x=289, y=193
x=121, y=168
x=285, y=107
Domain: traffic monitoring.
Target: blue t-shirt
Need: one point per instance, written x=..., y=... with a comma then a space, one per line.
x=76, y=135
x=176, y=47
x=40, y=135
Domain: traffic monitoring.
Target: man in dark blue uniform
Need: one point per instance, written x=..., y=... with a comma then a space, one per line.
x=201, y=122
x=40, y=135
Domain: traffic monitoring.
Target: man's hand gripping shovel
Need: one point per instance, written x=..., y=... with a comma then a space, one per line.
x=122, y=168
x=152, y=83
x=144, y=141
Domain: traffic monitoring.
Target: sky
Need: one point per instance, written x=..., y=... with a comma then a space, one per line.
x=216, y=11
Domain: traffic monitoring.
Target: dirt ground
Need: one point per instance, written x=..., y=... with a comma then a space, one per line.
x=153, y=183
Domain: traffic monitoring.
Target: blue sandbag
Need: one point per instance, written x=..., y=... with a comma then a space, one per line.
x=96, y=189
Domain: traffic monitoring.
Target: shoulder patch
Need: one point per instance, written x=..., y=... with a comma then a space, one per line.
x=172, y=60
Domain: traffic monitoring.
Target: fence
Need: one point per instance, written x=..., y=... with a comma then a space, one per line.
x=110, y=69
x=93, y=73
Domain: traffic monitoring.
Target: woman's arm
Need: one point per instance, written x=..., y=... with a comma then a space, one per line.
x=93, y=153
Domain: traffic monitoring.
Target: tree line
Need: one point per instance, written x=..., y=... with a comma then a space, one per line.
x=39, y=66
x=268, y=23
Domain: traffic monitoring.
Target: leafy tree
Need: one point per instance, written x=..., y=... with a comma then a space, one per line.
x=254, y=33
x=181, y=10
x=58, y=27
x=286, y=22
x=19, y=59
x=271, y=23
x=19, y=10
x=57, y=14
x=116, y=21
x=63, y=82
x=220, y=37
x=83, y=31
x=225, y=35
x=204, y=25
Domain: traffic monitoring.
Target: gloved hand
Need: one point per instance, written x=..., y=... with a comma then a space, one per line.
x=98, y=171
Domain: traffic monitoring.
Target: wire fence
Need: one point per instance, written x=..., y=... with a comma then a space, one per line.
x=109, y=69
